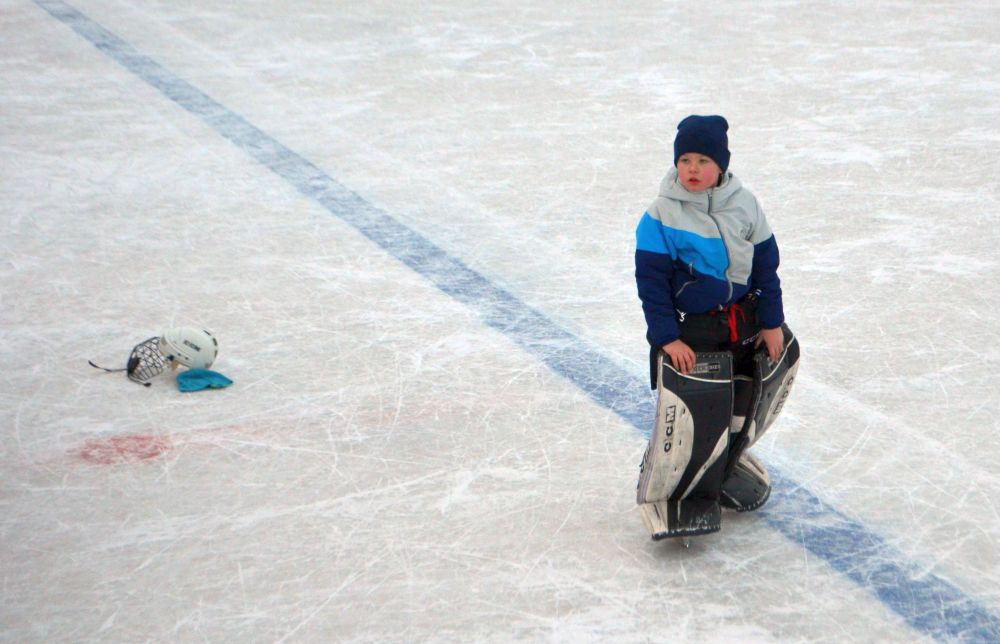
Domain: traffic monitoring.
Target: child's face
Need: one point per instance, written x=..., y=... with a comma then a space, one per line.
x=697, y=172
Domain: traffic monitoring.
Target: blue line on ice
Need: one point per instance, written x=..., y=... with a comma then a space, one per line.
x=927, y=602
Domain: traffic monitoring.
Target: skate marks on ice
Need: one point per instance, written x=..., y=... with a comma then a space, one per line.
x=928, y=603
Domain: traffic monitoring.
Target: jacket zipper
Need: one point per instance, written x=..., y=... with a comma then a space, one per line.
x=722, y=237
x=687, y=283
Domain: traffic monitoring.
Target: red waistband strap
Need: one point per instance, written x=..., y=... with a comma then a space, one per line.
x=731, y=311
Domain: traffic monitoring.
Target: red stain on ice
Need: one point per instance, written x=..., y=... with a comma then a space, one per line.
x=124, y=449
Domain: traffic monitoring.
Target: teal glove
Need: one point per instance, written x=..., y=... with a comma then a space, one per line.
x=198, y=379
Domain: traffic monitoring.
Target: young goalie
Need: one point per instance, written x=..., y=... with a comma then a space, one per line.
x=721, y=358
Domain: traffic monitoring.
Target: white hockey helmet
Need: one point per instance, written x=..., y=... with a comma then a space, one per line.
x=190, y=346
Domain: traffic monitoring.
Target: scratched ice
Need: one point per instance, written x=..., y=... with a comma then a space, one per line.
x=411, y=229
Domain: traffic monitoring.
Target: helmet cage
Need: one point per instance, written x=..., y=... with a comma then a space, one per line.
x=146, y=361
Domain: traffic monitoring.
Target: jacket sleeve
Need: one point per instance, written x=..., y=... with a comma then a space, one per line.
x=654, y=269
x=764, y=277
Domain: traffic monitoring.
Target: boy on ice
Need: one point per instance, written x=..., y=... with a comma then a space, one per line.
x=721, y=358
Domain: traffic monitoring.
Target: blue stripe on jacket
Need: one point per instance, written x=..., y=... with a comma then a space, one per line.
x=705, y=254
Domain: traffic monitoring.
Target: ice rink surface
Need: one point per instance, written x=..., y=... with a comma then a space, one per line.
x=411, y=227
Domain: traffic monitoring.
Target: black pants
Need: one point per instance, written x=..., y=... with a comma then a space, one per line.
x=734, y=329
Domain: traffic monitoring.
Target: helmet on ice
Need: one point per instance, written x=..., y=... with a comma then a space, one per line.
x=190, y=346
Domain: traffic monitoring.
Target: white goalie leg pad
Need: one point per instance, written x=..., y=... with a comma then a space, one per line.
x=747, y=485
x=776, y=384
x=685, y=460
x=669, y=450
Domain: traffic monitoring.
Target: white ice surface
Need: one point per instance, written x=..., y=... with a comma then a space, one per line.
x=388, y=468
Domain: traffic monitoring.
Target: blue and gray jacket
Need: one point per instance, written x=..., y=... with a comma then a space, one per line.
x=700, y=251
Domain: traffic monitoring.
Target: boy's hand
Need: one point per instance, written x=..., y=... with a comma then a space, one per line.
x=681, y=355
x=774, y=340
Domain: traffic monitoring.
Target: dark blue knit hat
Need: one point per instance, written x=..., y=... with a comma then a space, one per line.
x=704, y=135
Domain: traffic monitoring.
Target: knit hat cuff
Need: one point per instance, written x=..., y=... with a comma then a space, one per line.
x=704, y=135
